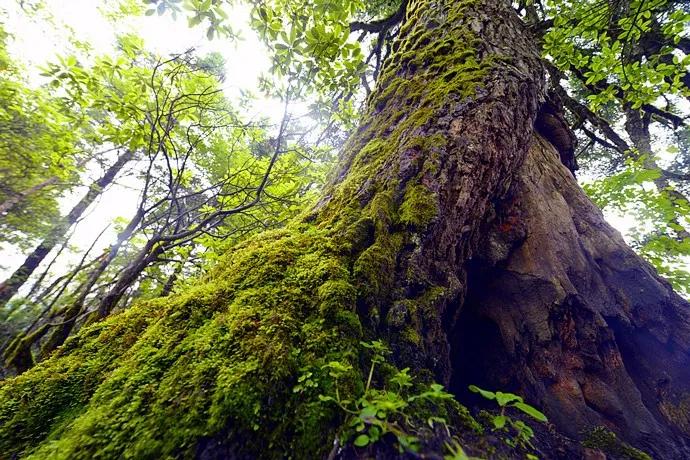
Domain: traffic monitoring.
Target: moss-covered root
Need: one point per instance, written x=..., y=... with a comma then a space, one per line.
x=606, y=441
x=155, y=380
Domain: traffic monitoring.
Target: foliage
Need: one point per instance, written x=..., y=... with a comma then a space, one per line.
x=523, y=434
x=456, y=452
x=374, y=413
x=659, y=218
x=39, y=154
x=626, y=65
x=599, y=40
x=310, y=40
x=209, y=178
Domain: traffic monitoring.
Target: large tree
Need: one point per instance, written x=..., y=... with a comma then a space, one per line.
x=451, y=234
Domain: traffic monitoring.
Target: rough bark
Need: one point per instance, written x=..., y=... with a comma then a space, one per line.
x=456, y=103
x=566, y=314
x=11, y=285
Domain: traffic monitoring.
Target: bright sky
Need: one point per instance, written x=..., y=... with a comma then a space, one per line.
x=35, y=42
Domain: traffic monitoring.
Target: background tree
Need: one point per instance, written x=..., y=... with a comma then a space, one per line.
x=11, y=285
x=40, y=154
x=204, y=166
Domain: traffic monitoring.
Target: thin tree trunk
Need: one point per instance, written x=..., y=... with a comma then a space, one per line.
x=75, y=310
x=172, y=279
x=10, y=286
x=127, y=277
x=65, y=280
x=24, y=360
x=39, y=281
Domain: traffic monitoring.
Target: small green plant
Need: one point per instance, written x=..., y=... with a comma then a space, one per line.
x=380, y=411
x=456, y=452
x=502, y=422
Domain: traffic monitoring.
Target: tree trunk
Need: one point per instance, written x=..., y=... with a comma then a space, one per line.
x=75, y=310
x=172, y=279
x=567, y=315
x=16, y=351
x=432, y=205
x=128, y=277
x=10, y=286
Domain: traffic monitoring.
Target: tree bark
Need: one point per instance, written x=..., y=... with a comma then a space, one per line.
x=567, y=315
x=172, y=279
x=11, y=285
x=437, y=225
x=148, y=254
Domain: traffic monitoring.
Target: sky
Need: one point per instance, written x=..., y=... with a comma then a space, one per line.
x=34, y=42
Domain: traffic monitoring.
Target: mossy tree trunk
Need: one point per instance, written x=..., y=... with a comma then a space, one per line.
x=436, y=236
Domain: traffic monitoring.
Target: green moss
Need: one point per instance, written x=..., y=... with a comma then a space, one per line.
x=374, y=269
x=605, y=440
x=206, y=361
x=349, y=323
x=45, y=400
x=428, y=68
x=419, y=207
x=410, y=335
x=358, y=236
x=335, y=295
x=398, y=314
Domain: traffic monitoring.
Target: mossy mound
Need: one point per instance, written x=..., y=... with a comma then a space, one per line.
x=151, y=381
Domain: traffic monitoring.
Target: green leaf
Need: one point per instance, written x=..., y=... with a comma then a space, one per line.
x=499, y=421
x=368, y=412
x=486, y=394
x=361, y=440
x=505, y=398
x=531, y=411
